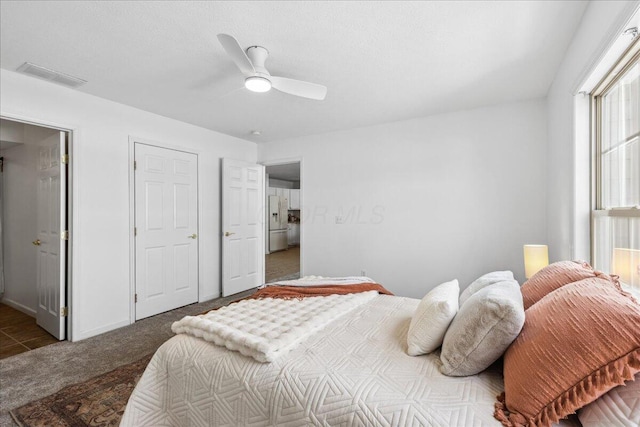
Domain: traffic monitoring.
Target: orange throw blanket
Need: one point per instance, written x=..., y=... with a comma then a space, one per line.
x=290, y=292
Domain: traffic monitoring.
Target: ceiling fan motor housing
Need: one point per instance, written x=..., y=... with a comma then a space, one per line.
x=258, y=56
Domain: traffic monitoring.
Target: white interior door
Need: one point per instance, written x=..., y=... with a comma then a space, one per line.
x=50, y=242
x=242, y=226
x=166, y=221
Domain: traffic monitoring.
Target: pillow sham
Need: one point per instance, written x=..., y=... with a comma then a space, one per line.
x=432, y=318
x=578, y=342
x=484, y=281
x=483, y=329
x=553, y=277
x=619, y=407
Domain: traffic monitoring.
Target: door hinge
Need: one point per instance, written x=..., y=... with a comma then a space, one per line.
x=135, y=299
x=65, y=235
x=64, y=311
x=65, y=159
x=135, y=165
x=135, y=231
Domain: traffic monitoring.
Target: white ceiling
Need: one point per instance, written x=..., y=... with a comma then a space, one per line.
x=381, y=61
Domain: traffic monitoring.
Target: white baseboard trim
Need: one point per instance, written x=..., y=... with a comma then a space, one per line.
x=20, y=307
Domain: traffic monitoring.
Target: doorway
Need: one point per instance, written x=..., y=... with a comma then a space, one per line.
x=34, y=235
x=283, y=230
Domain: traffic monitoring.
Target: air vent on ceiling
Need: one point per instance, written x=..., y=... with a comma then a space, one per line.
x=50, y=75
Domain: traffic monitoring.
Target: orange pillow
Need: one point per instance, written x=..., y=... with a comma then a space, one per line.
x=577, y=343
x=553, y=277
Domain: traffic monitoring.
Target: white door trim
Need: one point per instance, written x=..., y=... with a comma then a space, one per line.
x=302, y=193
x=73, y=245
x=132, y=218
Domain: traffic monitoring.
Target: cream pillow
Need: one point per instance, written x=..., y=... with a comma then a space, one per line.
x=483, y=329
x=432, y=318
x=484, y=281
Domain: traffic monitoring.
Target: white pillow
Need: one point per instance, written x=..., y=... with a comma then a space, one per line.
x=619, y=407
x=484, y=281
x=483, y=329
x=432, y=318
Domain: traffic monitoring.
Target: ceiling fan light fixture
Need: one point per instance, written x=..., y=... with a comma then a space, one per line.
x=258, y=79
x=257, y=84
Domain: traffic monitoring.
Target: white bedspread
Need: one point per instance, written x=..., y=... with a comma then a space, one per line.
x=265, y=329
x=353, y=372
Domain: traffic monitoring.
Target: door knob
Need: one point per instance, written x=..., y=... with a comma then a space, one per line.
x=227, y=234
x=193, y=236
x=36, y=242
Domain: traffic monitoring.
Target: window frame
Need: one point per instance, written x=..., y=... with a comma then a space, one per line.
x=626, y=61
x=613, y=76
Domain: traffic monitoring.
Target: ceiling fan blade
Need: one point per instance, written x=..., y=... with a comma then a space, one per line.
x=237, y=54
x=299, y=88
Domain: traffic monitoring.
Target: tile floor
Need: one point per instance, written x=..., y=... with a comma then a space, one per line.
x=19, y=333
x=283, y=264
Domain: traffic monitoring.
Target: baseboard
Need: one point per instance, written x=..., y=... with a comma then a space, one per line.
x=19, y=307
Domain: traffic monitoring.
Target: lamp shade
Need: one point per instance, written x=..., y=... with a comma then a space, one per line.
x=626, y=264
x=536, y=257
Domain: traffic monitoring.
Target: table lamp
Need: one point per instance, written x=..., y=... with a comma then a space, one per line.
x=626, y=264
x=536, y=257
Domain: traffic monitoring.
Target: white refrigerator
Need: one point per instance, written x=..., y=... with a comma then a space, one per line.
x=278, y=222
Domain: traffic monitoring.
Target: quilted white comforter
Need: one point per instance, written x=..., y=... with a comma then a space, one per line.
x=353, y=372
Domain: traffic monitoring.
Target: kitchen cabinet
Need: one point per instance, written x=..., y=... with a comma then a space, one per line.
x=294, y=199
x=293, y=234
x=282, y=192
x=292, y=195
x=278, y=240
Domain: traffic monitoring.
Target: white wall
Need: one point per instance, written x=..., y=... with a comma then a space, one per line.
x=19, y=223
x=425, y=200
x=20, y=179
x=11, y=132
x=100, y=163
x=567, y=182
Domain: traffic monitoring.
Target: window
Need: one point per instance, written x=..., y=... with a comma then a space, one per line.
x=616, y=217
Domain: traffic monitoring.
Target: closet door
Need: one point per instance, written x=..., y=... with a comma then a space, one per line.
x=166, y=211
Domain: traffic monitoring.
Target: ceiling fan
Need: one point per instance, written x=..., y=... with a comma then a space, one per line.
x=258, y=79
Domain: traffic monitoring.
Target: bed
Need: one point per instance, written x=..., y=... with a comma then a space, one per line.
x=354, y=371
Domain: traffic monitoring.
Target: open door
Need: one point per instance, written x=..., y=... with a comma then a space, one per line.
x=52, y=235
x=242, y=226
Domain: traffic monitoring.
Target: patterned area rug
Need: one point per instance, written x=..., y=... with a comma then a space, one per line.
x=99, y=401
